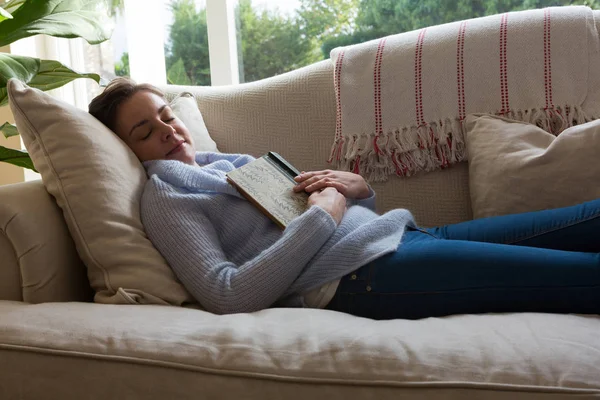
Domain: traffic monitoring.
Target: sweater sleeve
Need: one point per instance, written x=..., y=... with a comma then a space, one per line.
x=368, y=202
x=191, y=246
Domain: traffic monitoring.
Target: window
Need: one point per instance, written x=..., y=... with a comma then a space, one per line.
x=186, y=44
x=271, y=39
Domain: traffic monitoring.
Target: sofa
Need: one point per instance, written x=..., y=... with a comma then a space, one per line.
x=57, y=343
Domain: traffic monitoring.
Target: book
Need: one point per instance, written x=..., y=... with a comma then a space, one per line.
x=267, y=182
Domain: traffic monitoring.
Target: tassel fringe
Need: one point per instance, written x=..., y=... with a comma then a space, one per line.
x=436, y=145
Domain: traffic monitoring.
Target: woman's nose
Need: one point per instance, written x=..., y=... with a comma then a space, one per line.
x=167, y=132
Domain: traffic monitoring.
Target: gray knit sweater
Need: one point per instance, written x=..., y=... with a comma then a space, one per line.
x=232, y=258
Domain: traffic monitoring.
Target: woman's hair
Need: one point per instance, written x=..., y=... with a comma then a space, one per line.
x=105, y=106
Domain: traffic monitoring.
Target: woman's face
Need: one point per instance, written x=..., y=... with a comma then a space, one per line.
x=149, y=127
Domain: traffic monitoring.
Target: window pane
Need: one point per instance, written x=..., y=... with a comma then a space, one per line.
x=186, y=43
x=272, y=39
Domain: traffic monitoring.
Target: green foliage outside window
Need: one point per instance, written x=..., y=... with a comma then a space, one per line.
x=188, y=42
x=122, y=67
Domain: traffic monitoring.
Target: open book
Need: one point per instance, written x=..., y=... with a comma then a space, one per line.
x=267, y=182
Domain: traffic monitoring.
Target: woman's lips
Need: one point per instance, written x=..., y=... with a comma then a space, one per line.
x=177, y=149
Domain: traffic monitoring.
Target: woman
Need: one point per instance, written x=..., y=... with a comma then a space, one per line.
x=340, y=254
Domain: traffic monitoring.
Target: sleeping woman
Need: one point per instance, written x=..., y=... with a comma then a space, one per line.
x=340, y=254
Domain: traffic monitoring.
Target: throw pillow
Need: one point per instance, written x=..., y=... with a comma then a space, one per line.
x=517, y=167
x=186, y=109
x=97, y=182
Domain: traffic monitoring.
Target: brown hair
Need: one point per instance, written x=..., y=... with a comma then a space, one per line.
x=105, y=106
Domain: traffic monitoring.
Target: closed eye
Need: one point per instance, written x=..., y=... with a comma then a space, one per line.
x=150, y=133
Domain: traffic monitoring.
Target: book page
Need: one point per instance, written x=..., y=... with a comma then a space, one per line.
x=268, y=186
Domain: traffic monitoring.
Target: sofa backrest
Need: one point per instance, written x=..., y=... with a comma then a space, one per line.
x=294, y=114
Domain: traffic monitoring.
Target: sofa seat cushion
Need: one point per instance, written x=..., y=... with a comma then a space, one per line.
x=280, y=351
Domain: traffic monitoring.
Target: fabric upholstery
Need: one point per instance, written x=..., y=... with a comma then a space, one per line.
x=184, y=106
x=517, y=167
x=38, y=261
x=167, y=352
x=10, y=277
x=97, y=182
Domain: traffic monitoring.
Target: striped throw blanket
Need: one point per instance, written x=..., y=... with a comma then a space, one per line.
x=402, y=99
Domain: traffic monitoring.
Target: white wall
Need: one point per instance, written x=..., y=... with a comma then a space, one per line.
x=145, y=40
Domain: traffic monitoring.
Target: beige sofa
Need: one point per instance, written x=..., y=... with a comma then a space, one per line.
x=56, y=344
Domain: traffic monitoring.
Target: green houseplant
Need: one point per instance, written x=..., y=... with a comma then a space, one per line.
x=88, y=19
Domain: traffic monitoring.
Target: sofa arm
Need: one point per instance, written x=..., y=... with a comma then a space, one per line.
x=38, y=259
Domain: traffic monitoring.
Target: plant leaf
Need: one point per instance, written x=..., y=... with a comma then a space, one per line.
x=16, y=157
x=12, y=66
x=12, y=5
x=40, y=74
x=88, y=19
x=9, y=130
x=177, y=75
x=53, y=74
x=4, y=14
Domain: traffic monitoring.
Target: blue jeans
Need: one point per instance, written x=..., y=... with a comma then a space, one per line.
x=544, y=261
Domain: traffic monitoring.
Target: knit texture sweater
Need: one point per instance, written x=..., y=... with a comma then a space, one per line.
x=232, y=258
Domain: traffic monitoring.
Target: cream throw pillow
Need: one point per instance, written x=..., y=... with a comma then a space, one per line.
x=517, y=167
x=186, y=109
x=97, y=182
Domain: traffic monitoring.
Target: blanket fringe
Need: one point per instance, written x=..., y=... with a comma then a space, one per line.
x=435, y=145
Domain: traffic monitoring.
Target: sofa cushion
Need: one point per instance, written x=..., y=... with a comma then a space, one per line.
x=185, y=107
x=97, y=182
x=38, y=259
x=173, y=353
x=517, y=167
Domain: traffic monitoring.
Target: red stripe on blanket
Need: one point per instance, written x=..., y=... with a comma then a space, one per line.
x=503, y=65
x=377, y=94
x=401, y=169
x=338, y=122
x=547, y=60
x=460, y=70
x=356, y=168
x=419, y=78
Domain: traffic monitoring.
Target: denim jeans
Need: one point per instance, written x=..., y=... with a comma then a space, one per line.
x=544, y=261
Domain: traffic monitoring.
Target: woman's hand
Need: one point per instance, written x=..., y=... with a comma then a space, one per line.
x=351, y=185
x=331, y=201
